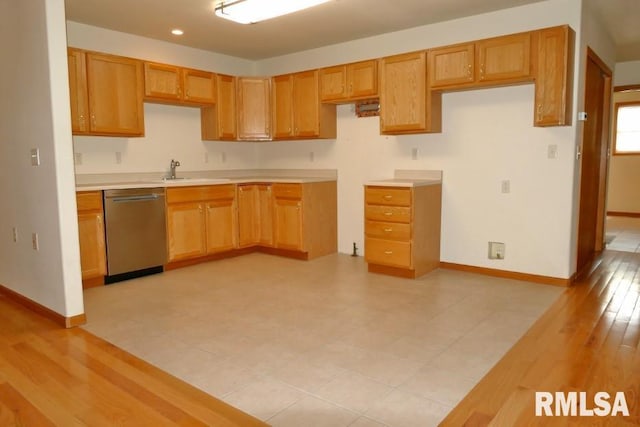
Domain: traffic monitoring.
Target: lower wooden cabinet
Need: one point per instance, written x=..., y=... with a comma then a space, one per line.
x=255, y=215
x=93, y=258
x=305, y=217
x=201, y=220
x=402, y=229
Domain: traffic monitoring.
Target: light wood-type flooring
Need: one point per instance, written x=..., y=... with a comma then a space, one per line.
x=55, y=377
x=589, y=340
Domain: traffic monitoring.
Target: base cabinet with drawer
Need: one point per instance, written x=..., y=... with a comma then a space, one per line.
x=93, y=256
x=201, y=221
x=402, y=229
x=305, y=218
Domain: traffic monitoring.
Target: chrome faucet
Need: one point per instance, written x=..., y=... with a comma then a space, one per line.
x=174, y=165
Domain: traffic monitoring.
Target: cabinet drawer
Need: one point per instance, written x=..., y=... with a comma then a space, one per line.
x=388, y=196
x=387, y=252
x=89, y=200
x=200, y=193
x=287, y=191
x=388, y=230
x=388, y=213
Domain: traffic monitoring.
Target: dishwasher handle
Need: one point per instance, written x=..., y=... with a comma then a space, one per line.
x=136, y=198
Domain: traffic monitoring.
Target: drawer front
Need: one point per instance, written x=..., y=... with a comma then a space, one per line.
x=89, y=200
x=287, y=191
x=388, y=230
x=390, y=196
x=388, y=213
x=200, y=193
x=388, y=252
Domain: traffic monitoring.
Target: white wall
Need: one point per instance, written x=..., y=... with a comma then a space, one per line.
x=34, y=113
x=627, y=73
x=487, y=137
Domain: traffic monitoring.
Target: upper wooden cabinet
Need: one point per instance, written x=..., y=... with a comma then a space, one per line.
x=553, y=71
x=499, y=60
x=177, y=85
x=350, y=82
x=78, y=91
x=296, y=109
x=115, y=86
x=406, y=106
x=106, y=94
x=219, y=121
x=254, y=108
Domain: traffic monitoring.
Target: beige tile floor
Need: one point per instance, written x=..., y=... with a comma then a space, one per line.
x=623, y=234
x=323, y=342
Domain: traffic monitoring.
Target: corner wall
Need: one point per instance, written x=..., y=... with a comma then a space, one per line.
x=34, y=113
x=488, y=136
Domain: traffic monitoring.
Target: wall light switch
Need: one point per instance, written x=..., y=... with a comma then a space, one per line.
x=35, y=241
x=35, y=157
x=505, y=186
x=15, y=234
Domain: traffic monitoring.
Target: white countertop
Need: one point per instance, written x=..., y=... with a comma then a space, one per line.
x=410, y=178
x=404, y=182
x=187, y=182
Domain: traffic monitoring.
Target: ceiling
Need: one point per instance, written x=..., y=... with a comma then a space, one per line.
x=334, y=22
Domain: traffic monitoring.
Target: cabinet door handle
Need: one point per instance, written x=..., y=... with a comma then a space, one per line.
x=469, y=70
x=539, y=112
x=388, y=252
x=388, y=197
x=388, y=230
x=388, y=213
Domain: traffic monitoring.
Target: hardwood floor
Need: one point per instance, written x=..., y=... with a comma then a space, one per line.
x=61, y=377
x=587, y=341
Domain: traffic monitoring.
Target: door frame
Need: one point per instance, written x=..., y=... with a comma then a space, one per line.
x=605, y=152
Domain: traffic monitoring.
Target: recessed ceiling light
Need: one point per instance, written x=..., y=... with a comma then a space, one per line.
x=177, y=32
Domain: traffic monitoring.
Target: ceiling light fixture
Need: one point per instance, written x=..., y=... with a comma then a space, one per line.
x=177, y=32
x=252, y=11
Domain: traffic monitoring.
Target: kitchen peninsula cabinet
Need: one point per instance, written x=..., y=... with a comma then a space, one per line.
x=219, y=121
x=255, y=215
x=553, y=76
x=402, y=229
x=305, y=218
x=177, y=85
x=296, y=109
x=201, y=220
x=406, y=106
x=350, y=82
x=93, y=258
x=254, y=108
x=499, y=60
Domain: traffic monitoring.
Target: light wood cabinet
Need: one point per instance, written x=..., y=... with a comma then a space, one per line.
x=305, y=218
x=219, y=121
x=255, y=215
x=254, y=108
x=499, y=60
x=402, y=229
x=76, y=60
x=201, y=220
x=405, y=104
x=106, y=94
x=296, y=108
x=91, y=231
x=115, y=94
x=349, y=82
x=177, y=85
x=553, y=71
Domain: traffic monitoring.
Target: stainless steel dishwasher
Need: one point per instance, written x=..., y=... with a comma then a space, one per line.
x=136, y=232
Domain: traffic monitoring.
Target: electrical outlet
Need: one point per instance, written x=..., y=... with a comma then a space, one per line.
x=118, y=157
x=505, y=186
x=77, y=157
x=414, y=153
x=552, y=151
x=223, y=157
x=312, y=156
x=496, y=250
x=35, y=241
x=206, y=157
